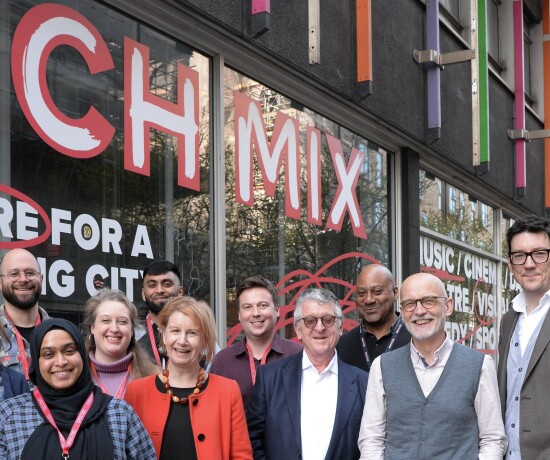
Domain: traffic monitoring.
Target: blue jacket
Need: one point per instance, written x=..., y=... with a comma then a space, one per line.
x=273, y=412
x=13, y=382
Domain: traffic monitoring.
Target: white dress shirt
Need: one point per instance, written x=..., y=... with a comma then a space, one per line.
x=528, y=322
x=319, y=395
x=492, y=440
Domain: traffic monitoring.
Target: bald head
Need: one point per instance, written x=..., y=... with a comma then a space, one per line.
x=18, y=256
x=23, y=288
x=422, y=281
x=429, y=308
x=375, y=296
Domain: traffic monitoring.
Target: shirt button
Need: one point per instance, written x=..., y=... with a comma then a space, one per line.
x=516, y=398
x=520, y=369
x=513, y=425
x=516, y=344
x=201, y=437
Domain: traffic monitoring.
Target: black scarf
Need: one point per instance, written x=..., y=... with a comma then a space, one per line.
x=93, y=441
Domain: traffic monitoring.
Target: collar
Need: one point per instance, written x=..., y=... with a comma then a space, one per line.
x=519, y=303
x=118, y=366
x=440, y=355
x=332, y=366
x=276, y=345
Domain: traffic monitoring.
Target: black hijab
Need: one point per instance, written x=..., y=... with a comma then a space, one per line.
x=93, y=440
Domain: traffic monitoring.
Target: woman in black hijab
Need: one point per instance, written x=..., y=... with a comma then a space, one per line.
x=67, y=415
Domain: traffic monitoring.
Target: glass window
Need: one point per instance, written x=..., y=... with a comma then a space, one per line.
x=105, y=219
x=527, y=42
x=464, y=218
x=493, y=30
x=289, y=178
x=471, y=281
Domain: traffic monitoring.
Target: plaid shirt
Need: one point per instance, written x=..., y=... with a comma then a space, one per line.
x=19, y=418
x=9, y=352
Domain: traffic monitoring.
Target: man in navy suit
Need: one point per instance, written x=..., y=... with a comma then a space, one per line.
x=309, y=406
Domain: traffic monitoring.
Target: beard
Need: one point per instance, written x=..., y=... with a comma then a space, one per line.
x=22, y=304
x=155, y=308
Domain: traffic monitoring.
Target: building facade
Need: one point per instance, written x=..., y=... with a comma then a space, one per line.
x=299, y=140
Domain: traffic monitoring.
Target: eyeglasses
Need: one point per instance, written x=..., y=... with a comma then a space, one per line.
x=311, y=321
x=13, y=275
x=539, y=256
x=262, y=306
x=427, y=302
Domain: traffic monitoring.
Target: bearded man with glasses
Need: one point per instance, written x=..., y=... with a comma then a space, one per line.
x=433, y=398
x=21, y=283
x=309, y=405
x=524, y=351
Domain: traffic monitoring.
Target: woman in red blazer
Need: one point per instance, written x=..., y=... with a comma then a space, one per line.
x=187, y=412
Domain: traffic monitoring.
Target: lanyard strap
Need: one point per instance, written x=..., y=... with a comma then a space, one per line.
x=66, y=444
x=152, y=340
x=253, y=364
x=20, y=345
x=396, y=329
x=120, y=392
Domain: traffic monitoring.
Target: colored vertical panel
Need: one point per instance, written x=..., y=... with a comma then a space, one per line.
x=432, y=42
x=519, y=94
x=364, y=40
x=546, y=72
x=483, y=82
x=261, y=6
x=474, y=66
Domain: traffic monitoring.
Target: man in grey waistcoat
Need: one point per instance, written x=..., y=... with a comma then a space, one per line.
x=524, y=352
x=433, y=398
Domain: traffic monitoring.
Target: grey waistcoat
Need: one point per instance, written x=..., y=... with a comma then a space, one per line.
x=442, y=425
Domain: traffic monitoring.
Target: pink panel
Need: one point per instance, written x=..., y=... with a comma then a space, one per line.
x=261, y=6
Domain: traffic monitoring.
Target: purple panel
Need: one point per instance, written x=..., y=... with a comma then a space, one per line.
x=519, y=92
x=432, y=42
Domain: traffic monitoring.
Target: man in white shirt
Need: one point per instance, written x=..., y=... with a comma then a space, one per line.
x=524, y=352
x=433, y=398
x=308, y=406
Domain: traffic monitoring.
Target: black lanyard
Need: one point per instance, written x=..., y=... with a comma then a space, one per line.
x=396, y=329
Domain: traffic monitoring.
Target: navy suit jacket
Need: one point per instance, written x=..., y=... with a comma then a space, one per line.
x=273, y=412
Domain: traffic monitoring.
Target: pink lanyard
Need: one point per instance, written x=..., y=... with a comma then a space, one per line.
x=120, y=392
x=253, y=364
x=152, y=340
x=20, y=345
x=66, y=444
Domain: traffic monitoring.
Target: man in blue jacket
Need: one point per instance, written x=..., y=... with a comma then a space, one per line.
x=308, y=406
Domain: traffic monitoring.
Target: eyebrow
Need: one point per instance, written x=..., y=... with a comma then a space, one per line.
x=65, y=345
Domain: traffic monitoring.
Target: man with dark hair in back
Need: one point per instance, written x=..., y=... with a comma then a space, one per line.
x=161, y=282
x=524, y=351
x=258, y=314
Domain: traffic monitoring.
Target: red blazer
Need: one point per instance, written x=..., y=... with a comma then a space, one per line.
x=217, y=418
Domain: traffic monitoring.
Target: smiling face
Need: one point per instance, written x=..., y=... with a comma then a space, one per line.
x=257, y=313
x=375, y=295
x=159, y=289
x=112, y=331
x=423, y=324
x=319, y=342
x=60, y=362
x=183, y=341
x=533, y=278
x=23, y=293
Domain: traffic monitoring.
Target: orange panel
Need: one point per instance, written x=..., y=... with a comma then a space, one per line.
x=364, y=40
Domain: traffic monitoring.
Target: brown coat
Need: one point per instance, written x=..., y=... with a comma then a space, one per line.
x=535, y=393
